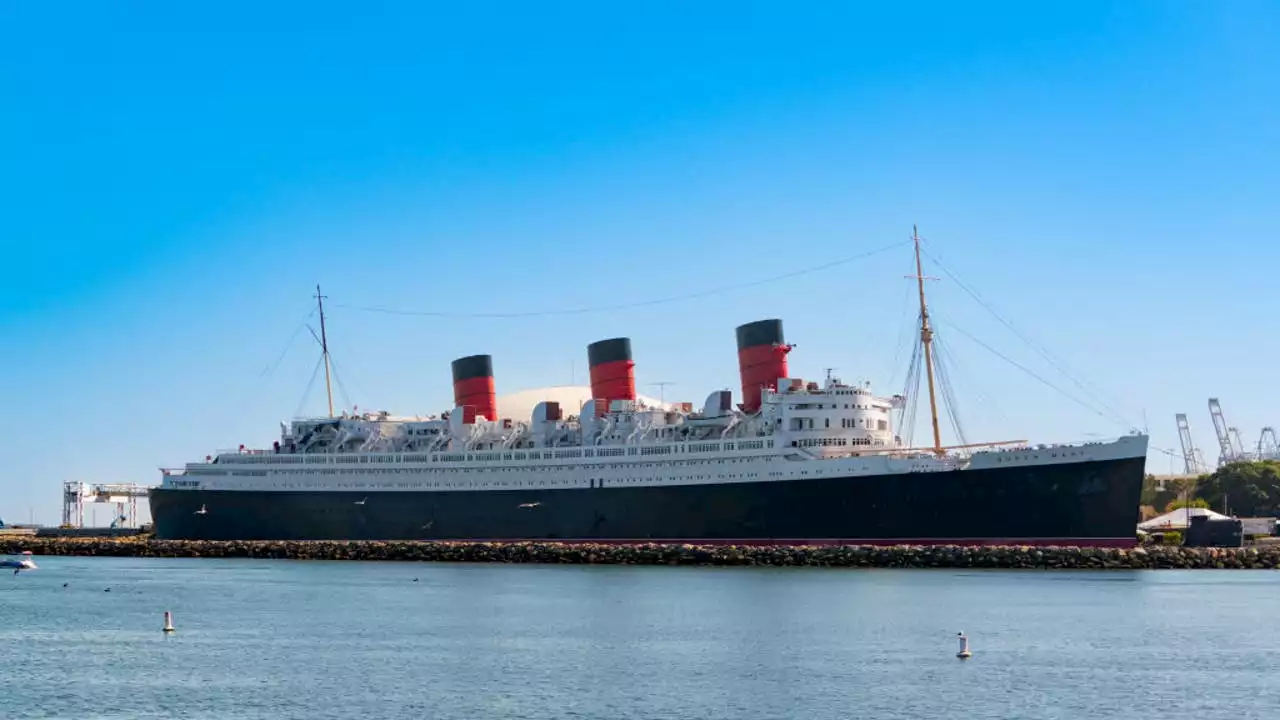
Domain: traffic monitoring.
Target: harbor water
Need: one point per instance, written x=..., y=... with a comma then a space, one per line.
x=82, y=638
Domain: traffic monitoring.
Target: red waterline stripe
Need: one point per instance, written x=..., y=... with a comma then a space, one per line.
x=789, y=542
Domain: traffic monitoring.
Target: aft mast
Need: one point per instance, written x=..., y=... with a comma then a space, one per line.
x=926, y=338
x=324, y=349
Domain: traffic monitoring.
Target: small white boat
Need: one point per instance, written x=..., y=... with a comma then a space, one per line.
x=19, y=562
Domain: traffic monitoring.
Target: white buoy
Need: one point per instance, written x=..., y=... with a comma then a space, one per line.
x=964, y=653
x=168, y=622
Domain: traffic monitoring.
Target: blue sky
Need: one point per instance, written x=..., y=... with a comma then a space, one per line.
x=177, y=178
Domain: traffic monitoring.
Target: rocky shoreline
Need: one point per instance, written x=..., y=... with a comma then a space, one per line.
x=852, y=556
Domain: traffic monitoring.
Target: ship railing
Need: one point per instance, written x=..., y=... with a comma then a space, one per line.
x=1091, y=441
x=243, y=451
x=173, y=472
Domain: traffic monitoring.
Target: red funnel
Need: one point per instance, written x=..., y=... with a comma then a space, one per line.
x=473, y=388
x=762, y=359
x=612, y=371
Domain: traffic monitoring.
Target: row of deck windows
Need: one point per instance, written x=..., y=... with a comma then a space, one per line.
x=379, y=458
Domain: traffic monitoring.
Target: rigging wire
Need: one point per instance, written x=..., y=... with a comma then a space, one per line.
x=264, y=377
x=943, y=387
x=958, y=368
x=310, y=384
x=626, y=306
x=903, y=328
x=270, y=370
x=1024, y=369
x=344, y=396
x=943, y=365
x=1095, y=394
x=907, y=419
x=337, y=379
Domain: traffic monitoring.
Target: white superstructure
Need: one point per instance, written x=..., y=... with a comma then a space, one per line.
x=803, y=430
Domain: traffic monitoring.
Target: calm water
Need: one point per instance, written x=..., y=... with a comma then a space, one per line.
x=277, y=639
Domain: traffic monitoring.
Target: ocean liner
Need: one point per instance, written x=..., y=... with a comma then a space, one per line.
x=794, y=462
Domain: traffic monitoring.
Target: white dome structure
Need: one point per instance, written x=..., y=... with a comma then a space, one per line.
x=519, y=405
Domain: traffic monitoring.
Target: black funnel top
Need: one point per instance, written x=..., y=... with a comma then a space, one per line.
x=760, y=332
x=472, y=366
x=607, y=351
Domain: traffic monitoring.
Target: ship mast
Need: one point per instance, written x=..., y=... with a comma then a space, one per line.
x=926, y=337
x=324, y=349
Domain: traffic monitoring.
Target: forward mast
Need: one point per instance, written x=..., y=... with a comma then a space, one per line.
x=324, y=349
x=926, y=338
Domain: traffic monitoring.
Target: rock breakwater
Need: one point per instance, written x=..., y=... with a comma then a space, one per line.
x=851, y=556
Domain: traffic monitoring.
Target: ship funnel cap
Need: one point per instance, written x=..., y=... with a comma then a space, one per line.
x=607, y=351
x=472, y=366
x=760, y=332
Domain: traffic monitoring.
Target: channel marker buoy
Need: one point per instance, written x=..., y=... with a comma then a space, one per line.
x=168, y=622
x=964, y=653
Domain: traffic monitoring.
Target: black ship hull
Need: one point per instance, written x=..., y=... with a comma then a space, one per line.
x=1089, y=503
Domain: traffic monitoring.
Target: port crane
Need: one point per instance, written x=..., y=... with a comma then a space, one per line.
x=1268, y=448
x=1231, y=447
x=1237, y=446
x=1191, y=457
x=1226, y=453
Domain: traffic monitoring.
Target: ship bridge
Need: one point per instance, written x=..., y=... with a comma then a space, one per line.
x=831, y=419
